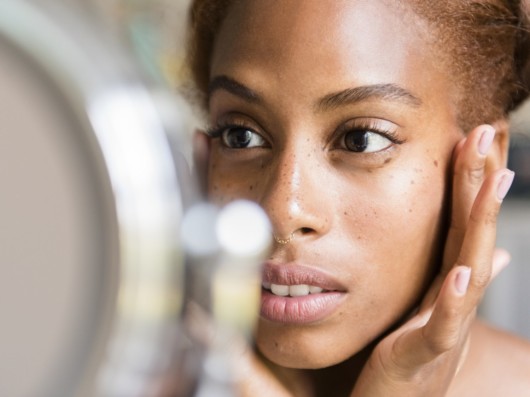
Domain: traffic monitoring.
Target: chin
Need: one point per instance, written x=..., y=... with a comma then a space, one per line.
x=306, y=347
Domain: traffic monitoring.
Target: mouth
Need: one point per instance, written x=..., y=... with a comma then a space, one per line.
x=298, y=294
x=293, y=290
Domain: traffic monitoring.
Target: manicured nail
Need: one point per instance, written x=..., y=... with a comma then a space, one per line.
x=485, y=141
x=504, y=185
x=500, y=261
x=462, y=280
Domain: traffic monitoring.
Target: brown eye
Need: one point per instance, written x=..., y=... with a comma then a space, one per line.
x=241, y=138
x=362, y=141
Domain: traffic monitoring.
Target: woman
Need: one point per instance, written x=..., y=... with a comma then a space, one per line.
x=374, y=134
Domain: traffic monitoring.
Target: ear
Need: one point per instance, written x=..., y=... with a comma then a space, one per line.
x=498, y=155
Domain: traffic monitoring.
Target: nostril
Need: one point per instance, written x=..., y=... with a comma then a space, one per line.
x=306, y=230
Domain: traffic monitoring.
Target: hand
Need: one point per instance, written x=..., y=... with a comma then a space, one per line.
x=422, y=357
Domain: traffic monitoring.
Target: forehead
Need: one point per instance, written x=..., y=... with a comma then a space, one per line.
x=331, y=42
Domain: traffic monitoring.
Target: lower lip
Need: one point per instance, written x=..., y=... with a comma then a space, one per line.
x=300, y=309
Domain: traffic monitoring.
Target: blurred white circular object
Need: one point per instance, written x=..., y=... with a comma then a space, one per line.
x=243, y=229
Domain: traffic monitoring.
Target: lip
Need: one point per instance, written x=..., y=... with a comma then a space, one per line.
x=295, y=274
x=301, y=309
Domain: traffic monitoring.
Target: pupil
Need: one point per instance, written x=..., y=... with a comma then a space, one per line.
x=239, y=138
x=356, y=141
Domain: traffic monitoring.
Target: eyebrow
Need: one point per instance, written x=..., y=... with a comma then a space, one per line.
x=388, y=92
x=349, y=96
x=232, y=86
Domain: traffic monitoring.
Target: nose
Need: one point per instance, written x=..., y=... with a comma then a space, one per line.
x=295, y=197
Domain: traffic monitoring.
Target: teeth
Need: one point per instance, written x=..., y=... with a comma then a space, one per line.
x=299, y=290
x=292, y=290
x=280, y=290
x=315, y=290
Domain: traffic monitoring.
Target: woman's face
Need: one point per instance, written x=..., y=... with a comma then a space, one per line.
x=335, y=118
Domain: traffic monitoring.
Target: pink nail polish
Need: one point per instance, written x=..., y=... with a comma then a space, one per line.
x=504, y=185
x=485, y=141
x=462, y=280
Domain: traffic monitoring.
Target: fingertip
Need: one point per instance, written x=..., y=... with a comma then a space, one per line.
x=486, y=139
x=501, y=259
x=504, y=184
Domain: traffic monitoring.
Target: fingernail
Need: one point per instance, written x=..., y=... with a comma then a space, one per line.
x=462, y=280
x=504, y=185
x=500, y=262
x=485, y=141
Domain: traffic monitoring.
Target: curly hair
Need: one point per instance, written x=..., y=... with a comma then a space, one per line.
x=488, y=43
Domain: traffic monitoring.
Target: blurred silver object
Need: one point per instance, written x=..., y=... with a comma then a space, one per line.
x=91, y=199
x=226, y=286
x=93, y=251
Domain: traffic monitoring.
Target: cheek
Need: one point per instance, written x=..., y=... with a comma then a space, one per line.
x=226, y=184
x=407, y=212
x=395, y=228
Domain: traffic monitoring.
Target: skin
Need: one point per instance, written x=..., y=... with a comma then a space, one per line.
x=375, y=221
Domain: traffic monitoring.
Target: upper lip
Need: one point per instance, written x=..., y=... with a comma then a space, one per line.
x=297, y=274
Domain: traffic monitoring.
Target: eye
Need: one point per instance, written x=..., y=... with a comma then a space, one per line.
x=241, y=138
x=362, y=141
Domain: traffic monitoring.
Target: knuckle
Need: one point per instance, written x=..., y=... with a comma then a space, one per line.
x=475, y=174
x=470, y=170
x=488, y=217
x=480, y=279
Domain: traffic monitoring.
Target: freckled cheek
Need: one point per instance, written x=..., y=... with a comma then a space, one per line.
x=422, y=195
x=399, y=210
x=418, y=225
x=226, y=184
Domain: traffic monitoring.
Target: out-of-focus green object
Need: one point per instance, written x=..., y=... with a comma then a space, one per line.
x=155, y=29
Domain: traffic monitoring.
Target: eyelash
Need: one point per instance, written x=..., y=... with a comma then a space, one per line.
x=217, y=130
x=368, y=126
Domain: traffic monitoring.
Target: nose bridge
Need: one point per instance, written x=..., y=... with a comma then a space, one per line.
x=292, y=198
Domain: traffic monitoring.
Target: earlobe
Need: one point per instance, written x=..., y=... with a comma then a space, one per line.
x=498, y=154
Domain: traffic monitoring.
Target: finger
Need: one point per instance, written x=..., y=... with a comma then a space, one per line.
x=479, y=241
x=200, y=159
x=444, y=329
x=501, y=259
x=469, y=160
x=469, y=171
